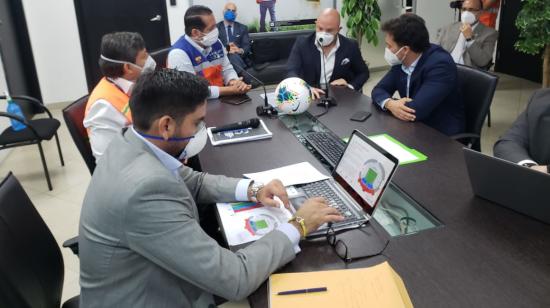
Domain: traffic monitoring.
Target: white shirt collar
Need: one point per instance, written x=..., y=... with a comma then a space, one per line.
x=169, y=161
x=124, y=84
x=410, y=69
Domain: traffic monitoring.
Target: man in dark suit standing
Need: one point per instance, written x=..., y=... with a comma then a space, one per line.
x=234, y=36
x=425, y=76
x=527, y=142
x=342, y=65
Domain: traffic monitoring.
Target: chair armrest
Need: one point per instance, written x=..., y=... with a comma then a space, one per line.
x=22, y=120
x=466, y=137
x=72, y=244
x=260, y=67
x=35, y=102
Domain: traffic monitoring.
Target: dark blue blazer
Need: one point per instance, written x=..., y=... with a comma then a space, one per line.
x=305, y=62
x=434, y=90
x=240, y=33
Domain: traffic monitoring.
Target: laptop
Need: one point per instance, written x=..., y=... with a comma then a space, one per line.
x=513, y=186
x=358, y=181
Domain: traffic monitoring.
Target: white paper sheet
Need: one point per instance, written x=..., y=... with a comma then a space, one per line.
x=394, y=149
x=300, y=173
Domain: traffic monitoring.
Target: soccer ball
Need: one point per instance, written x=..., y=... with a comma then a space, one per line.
x=292, y=96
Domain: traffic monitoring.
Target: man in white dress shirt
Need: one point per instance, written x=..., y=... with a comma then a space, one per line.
x=123, y=59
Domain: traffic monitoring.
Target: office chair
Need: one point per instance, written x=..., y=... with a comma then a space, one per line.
x=74, y=118
x=36, y=131
x=31, y=264
x=160, y=56
x=478, y=88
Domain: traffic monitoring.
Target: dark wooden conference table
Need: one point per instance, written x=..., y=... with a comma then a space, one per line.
x=483, y=255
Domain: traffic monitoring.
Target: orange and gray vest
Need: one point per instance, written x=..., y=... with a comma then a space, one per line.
x=109, y=92
x=489, y=16
x=209, y=66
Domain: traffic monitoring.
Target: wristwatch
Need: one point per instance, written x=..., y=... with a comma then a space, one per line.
x=548, y=168
x=255, y=187
x=302, y=222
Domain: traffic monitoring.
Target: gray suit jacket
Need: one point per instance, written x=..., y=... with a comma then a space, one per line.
x=529, y=136
x=480, y=53
x=141, y=244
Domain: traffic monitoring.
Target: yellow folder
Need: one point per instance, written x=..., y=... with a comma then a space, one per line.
x=376, y=286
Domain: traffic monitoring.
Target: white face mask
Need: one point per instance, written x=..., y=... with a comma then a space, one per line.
x=324, y=38
x=391, y=57
x=210, y=38
x=149, y=65
x=468, y=18
x=196, y=144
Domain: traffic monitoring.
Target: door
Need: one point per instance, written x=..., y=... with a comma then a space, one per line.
x=508, y=59
x=98, y=17
x=16, y=53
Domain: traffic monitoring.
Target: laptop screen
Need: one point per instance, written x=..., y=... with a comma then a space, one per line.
x=364, y=170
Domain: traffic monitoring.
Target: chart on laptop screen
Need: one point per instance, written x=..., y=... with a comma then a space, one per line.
x=364, y=169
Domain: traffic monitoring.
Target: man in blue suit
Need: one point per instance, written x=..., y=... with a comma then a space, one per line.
x=234, y=36
x=342, y=65
x=423, y=74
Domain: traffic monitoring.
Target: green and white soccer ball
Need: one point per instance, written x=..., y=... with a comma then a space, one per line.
x=292, y=96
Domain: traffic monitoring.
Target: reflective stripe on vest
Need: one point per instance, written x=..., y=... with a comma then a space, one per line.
x=109, y=92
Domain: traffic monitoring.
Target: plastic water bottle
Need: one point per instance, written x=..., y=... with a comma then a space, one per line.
x=14, y=108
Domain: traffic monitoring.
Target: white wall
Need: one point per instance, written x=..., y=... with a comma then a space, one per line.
x=436, y=13
x=175, y=18
x=53, y=33
x=55, y=41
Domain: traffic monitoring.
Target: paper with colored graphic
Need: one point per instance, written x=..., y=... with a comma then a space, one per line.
x=245, y=222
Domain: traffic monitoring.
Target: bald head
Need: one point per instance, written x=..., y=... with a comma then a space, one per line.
x=230, y=6
x=330, y=17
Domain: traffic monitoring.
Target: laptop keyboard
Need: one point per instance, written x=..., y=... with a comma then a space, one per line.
x=328, y=145
x=322, y=189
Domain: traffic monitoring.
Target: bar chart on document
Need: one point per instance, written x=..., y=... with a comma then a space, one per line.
x=246, y=222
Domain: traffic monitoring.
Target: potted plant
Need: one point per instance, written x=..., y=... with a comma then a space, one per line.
x=363, y=19
x=533, y=23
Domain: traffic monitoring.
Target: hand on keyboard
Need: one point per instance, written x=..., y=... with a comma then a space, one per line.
x=315, y=212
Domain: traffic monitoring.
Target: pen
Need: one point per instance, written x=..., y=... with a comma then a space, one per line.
x=302, y=291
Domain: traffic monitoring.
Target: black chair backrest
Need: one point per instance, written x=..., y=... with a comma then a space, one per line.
x=273, y=46
x=160, y=56
x=31, y=264
x=478, y=88
x=74, y=118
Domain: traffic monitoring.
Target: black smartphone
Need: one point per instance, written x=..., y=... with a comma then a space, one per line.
x=360, y=116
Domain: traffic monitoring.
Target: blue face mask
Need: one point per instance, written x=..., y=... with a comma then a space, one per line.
x=229, y=16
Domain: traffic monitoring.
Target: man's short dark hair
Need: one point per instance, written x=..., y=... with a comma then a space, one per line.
x=193, y=18
x=166, y=92
x=408, y=30
x=120, y=46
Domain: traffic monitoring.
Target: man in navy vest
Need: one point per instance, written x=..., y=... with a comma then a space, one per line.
x=200, y=52
x=425, y=76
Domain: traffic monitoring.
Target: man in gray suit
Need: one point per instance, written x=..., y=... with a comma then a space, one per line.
x=527, y=142
x=140, y=240
x=469, y=42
